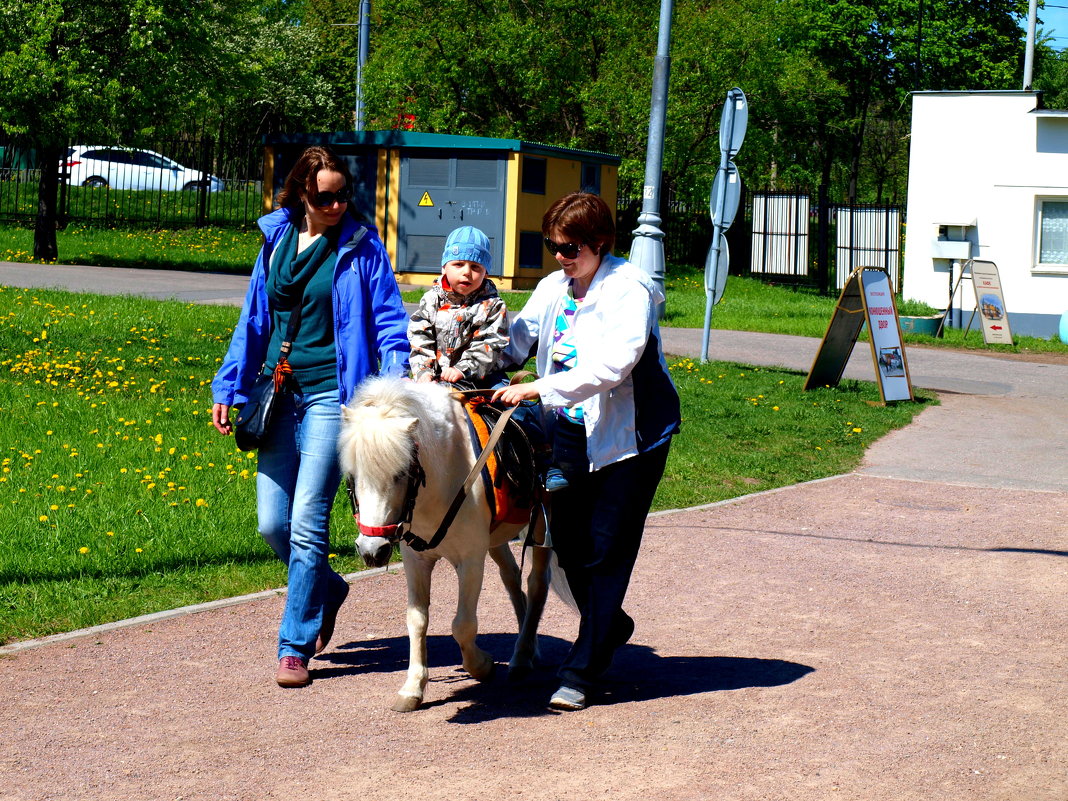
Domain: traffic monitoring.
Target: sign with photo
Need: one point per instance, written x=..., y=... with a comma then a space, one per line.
x=886, y=348
x=867, y=297
x=991, y=303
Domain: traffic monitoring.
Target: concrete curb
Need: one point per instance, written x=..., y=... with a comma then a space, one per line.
x=222, y=603
x=181, y=611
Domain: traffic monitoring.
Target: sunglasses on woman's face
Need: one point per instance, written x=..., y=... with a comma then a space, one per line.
x=325, y=200
x=568, y=250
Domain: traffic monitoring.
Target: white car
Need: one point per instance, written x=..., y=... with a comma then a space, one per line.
x=132, y=168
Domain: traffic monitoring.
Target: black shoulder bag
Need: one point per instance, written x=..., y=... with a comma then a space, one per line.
x=254, y=418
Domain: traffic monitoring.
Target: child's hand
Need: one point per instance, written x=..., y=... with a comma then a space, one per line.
x=424, y=378
x=451, y=374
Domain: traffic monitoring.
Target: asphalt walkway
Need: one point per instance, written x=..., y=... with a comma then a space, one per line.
x=896, y=633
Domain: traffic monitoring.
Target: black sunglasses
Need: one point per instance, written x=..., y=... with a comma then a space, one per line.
x=568, y=250
x=325, y=200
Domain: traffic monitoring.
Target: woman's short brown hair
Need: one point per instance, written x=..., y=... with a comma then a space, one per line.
x=584, y=218
x=303, y=179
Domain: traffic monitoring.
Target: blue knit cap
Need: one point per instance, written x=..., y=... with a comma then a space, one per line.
x=467, y=244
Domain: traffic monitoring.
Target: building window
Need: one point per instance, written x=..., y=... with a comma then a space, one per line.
x=591, y=178
x=530, y=249
x=534, y=171
x=1052, y=236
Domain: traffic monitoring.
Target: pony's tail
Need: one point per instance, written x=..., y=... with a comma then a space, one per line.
x=559, y=585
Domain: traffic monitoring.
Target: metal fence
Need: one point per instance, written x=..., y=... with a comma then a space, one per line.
x=792, y=235
x=687, y=230
x=196, y=180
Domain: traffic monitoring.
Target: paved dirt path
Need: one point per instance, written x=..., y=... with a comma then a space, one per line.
x=854, y=638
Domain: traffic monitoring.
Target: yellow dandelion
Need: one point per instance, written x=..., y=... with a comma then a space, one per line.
x=43, y=518
x=83, y=550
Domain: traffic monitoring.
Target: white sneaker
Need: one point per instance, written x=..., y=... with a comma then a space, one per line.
x=568, y=699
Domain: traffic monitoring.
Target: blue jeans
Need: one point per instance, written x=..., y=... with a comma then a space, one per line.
x=298, y=478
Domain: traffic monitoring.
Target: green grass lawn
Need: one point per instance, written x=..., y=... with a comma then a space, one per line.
x=208, y=249
x=747, y=305
x=118, y=498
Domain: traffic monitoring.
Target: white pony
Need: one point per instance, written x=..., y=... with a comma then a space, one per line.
x=396, y=435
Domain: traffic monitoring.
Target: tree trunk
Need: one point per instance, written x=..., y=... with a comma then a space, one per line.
x=44, y=235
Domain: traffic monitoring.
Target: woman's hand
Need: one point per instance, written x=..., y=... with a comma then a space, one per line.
x=513, y=394
x=451, y=375
x=220, y=417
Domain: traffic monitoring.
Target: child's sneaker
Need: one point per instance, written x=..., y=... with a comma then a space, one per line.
x=555, y=480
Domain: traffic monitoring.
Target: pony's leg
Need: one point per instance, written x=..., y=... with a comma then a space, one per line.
x=417, y=571
x=511, y=578
x=526, y=645
x=465, y=625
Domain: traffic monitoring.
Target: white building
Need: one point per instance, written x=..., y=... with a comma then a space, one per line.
x=988, y=179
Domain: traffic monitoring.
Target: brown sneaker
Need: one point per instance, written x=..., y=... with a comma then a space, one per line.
x=292, y=672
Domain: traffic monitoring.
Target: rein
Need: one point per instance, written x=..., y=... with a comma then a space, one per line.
x=417, y=478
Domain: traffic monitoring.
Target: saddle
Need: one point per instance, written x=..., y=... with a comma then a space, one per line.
x=510, y=474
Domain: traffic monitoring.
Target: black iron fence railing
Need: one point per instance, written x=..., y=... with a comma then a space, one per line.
x=198, y=180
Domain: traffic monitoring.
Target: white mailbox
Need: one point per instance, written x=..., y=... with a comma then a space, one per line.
x=952, y=242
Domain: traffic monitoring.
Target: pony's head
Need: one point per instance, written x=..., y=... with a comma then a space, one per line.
x=379, y=452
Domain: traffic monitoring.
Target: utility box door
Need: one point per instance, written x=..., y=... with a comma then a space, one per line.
x=440, y=192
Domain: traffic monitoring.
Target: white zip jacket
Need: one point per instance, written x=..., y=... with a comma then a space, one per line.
x=612, y=329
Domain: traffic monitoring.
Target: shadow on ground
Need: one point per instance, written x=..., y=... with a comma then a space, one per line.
x=638, y=674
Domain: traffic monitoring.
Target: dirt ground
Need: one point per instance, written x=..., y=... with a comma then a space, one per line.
x=853, y=638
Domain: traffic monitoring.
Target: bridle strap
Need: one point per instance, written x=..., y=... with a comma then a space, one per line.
x=417, y=544
x=417, y=478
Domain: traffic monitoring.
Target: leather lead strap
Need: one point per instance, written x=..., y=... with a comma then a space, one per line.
x=417, y=544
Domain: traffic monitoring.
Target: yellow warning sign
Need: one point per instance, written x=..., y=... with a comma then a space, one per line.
x=425, y=200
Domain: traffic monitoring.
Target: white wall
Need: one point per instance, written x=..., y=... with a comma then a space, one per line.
x=985, y=158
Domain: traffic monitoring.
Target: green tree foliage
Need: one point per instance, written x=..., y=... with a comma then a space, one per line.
x=877, y=51
x=107, y=70
x=828, y=80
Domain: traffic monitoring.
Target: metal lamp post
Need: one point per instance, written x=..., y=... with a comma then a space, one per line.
x=647, y=249
x=365, y=31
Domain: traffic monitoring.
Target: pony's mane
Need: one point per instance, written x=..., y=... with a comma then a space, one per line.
x=376, y=432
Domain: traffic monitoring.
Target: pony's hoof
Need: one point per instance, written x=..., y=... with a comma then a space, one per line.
x=483, y=672
x=406, y=703
x=519, y=672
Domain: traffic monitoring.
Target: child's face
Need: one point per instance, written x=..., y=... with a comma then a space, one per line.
x=464, y=277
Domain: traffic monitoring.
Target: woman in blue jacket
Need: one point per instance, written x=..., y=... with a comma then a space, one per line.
x=352, y=324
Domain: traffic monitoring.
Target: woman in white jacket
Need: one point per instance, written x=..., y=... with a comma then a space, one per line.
x=611, y=410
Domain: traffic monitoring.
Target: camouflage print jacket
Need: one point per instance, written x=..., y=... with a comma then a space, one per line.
x=450, y=330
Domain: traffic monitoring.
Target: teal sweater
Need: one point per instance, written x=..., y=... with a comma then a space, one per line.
x=313, y=358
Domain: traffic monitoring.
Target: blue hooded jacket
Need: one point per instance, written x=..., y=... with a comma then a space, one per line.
x=370, y=323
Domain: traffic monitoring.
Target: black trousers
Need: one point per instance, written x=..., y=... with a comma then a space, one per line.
x=597, y=526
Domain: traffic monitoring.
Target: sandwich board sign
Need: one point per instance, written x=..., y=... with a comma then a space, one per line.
x=991, y=303
x=867, y=297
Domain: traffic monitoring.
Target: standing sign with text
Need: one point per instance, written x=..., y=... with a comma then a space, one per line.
x=991, y=303
x=867, y=297
x=886, y=347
